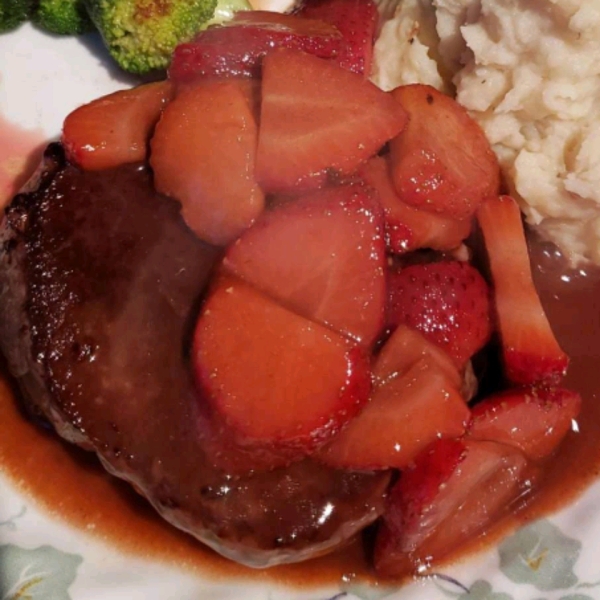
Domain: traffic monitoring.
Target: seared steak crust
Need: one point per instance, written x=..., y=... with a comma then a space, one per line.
x=100, y=282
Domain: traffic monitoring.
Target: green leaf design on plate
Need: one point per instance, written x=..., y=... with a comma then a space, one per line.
x=366, y=591
x=541, y=555
x=482, y=590
x=44, y=573
x=10, y=522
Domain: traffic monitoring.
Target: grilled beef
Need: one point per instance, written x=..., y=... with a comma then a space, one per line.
x=100, y=283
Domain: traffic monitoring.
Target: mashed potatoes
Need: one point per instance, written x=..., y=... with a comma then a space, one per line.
x=402, y=53
x=529, y=72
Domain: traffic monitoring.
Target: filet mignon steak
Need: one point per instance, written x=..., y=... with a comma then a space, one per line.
x=100, y=282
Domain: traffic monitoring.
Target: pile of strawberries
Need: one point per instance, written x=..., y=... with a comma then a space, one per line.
x=343, y=318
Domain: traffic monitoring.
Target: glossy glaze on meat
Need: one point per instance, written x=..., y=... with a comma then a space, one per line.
x=100, y=282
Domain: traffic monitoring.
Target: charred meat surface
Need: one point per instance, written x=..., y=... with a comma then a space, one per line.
x=100, y=282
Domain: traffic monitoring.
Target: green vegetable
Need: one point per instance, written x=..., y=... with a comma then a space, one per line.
x=142, y=34
x=13, y=13
x=65, y=17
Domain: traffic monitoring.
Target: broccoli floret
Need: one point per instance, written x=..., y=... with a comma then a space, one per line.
x=142, y=34
x=13, y=13
x=65, y=17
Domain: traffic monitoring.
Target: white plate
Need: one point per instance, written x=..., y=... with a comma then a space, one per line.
x=44, y=558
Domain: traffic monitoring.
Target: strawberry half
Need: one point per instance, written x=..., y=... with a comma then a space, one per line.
x=442, y=161
x=405, y=414
x=322, y=256
x=408, y=228
x=317, y=116
x=448, y=302
x=203, y=154
x=535, y=420
x=115, y=129
x=530, y=350
x=357, y=22
x=454, y=490
x=275, y=378
x=238, y=46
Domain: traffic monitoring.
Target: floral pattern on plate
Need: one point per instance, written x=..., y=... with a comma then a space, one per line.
x=43, y=573
x=538, y=562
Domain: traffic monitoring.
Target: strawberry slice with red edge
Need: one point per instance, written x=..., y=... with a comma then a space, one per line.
x=405, y=414
x=316, y=116
x=455, y=490
x=273, y=377
x=530, y=350
x=115, y=129
x=533, y=419
x=403, y=349
x=408, y=228
x=448, y=302
x=322, y=256
x=356, y=20
x=442, y=162
x=203, y=154
x=238, y=47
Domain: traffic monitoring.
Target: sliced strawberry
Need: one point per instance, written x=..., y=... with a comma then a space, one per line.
x=403, y=349
x=203, y=153
x=115, y=129
x=238, y=46
x=454, y=491
x=308, y=105
x=448, y=302
x=442, y=162
x=251, y=88
x=409, y=228
x=357, y=22
x=405, y=414
x=530, y=350
x=322, y=256
x=535, y=420
x=275, y=378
